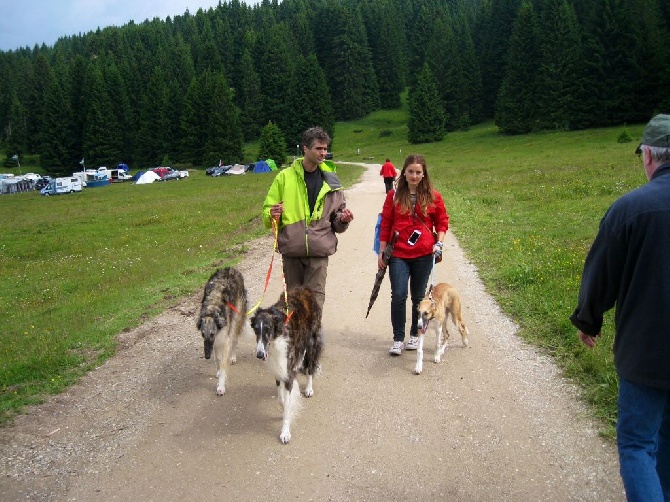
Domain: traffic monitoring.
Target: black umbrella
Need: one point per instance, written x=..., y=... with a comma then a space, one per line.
x=386, y=255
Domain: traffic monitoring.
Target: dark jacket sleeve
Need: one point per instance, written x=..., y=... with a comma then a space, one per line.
x=600, y=280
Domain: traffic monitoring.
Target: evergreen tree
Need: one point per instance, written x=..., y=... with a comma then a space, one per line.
x=192, y=123
x=309, y=101
x=419, y=40
x=37, y=100
x=272, y=145
x=249, y=97
x=274, y=69
x=122, y=115
x=56, y=139
x=224, y=137
x=444, y=59
x=15, y=129
x=152, y=143
x=560, y=52
x=493, y=28
x=345, y=57
x=76, y=87
x=101, y=135
x=471, y=73
x=516, y=108
x=426, y=115
x=210, y=122
x=386, y=38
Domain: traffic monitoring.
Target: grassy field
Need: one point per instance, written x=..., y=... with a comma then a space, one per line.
x=76, y=270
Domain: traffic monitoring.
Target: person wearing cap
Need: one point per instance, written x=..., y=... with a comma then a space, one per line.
x=628, y=267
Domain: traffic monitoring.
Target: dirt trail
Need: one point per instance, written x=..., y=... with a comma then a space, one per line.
x=491, y=422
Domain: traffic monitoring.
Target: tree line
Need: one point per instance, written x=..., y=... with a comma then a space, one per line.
x=193, y=88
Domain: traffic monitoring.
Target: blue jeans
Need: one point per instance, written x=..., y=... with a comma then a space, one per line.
x=416, y=271
x=643, y=439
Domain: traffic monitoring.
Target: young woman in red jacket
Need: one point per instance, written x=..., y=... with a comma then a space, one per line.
x=414, y=209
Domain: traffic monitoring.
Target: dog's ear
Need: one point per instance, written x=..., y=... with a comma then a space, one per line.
x=278, y=317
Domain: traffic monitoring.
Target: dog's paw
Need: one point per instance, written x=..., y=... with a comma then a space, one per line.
x=309, y=392
x=285, y=437
x=437, y=359
x=220, y=391
x=466, y=342
x=418, y=369
x=233, y=359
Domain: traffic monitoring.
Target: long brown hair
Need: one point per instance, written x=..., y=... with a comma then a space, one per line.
x=424, y=190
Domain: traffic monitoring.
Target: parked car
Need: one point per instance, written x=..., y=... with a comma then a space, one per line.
x=42, y=182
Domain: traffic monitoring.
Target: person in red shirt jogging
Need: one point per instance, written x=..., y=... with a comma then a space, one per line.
x=389, y=173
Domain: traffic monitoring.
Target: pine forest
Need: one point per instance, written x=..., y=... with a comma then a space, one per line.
x=194, y=88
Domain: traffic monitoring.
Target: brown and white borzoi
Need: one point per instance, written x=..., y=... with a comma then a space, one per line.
x=291, y=341
x=221, y=319
x=443, y=301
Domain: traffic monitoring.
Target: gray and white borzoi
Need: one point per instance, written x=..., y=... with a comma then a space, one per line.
x=291, y=341
x=221, y=319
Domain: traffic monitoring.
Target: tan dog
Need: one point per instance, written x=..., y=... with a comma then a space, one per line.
x=437, y=306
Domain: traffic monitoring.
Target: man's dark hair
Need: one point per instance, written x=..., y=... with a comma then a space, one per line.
x=312, y=134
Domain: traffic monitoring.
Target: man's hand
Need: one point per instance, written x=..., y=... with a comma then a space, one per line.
x=346, y=216
x=277, y=210
x=588, y=340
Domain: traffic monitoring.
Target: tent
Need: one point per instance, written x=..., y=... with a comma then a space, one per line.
x=272, y=164
x=237, y=169
x=148, y=177
x=123, y=166
x=137, y=175
x=261, y=167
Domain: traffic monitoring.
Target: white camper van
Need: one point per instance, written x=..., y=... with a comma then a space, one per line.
x=62, y=185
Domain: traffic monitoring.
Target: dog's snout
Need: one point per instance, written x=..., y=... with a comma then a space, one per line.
x=260, y=351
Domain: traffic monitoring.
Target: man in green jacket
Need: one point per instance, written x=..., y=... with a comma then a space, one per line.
x=306, y=200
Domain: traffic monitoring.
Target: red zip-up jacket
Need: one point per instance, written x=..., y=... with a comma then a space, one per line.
x=392, y=219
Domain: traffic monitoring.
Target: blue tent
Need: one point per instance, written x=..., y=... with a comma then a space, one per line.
x=262, y=167
x=123, y=166
x=137, y=175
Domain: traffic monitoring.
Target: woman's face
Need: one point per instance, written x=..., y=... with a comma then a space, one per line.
x=413, y=175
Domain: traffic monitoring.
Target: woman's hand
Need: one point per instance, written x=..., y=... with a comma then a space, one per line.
x=437, y=249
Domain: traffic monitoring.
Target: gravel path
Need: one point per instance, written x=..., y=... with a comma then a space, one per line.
x=494, y=421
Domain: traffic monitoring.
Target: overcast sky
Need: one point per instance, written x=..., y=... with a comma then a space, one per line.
x=29, y=22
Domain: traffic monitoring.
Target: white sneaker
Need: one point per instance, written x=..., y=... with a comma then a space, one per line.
x=396, y=350
x=413, y=343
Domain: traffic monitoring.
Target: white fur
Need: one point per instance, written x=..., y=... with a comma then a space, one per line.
x=225, y=346
x=278, y=358
x=278, y=365
x=292, y=405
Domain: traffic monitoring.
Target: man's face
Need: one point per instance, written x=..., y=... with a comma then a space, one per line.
x=316, y=153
